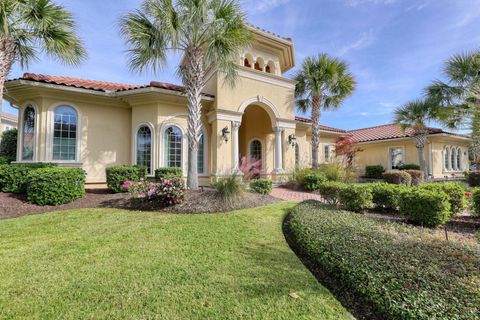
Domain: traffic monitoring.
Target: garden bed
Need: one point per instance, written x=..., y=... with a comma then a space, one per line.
x=15, y=205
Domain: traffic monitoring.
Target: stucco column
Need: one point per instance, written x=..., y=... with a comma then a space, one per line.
x=236, y=147
x=278, y=150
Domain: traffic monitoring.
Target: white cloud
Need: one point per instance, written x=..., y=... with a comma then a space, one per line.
x=366, y=39
x=262, y=6
x=356, y=3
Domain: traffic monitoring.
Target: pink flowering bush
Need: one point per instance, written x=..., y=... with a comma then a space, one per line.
x=167, y=192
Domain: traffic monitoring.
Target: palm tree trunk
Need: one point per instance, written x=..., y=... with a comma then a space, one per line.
x=420, y=141
x=193, y=75
x=315, y=131
x=7, y=57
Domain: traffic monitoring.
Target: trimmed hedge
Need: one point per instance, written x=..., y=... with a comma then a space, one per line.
x=476, y=202
x=417, y=177
x=356, y=197
x=6, y=160
x=398, y=177
x=261, y=186
x=398, y=270
x=374, y=172
x=117, y=175
x=168, y=173
x=312, y=181
x=13, y=177
x=425, y=207
x=330, y=191
x=386, y=197
x=473, y=178
x=55, y=186
x=410, y=166
x=454, y=191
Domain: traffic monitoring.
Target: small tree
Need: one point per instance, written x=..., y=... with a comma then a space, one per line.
x=347, y=148
x=8, y=144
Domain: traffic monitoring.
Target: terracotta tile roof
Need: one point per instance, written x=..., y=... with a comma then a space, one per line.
x=95, y=85
x=8, y=116
x=325, y=128
x=386, y=132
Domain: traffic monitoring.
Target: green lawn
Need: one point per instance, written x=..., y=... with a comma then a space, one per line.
x=113, y=264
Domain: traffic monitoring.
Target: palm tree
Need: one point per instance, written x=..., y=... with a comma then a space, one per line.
x=323, y=83
x=415, y=116
x=209, y=33
x=30, y=26
x=459, y=95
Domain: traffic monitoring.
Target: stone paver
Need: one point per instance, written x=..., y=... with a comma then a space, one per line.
x=294, y=195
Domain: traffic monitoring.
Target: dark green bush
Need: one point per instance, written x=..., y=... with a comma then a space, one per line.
x=409, y=166
x=261, y=186
x=312, y=181
x=6, y=160
x=386, y=196
x=356, y=197
x=398, y=177
x=399, y=270
x=13, y=177
x=117, y=175
x=417, y=176
x=168, y=173
x=476, y=202
x=425, y=207
x=454, y=191
x=374, y=172
x=330, y=191
x=8, y=144
x=55, y=186
x=473, y=179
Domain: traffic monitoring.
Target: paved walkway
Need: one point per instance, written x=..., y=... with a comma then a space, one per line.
x=294, y=195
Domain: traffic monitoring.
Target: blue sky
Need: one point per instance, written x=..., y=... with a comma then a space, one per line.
x=394, y=47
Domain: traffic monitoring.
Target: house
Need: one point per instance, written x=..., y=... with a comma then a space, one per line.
x=7, y=122
x=96, y=124
x=446, y=153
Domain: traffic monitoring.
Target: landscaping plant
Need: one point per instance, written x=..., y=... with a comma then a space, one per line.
x=425, y=207
x=386, y=197
x=261, y=186
x=473, y=178
x=312, y=181
x=455, y=193
x=297, y=178
x=117, y=175
x=409, y=166
x=356, y=197
x=14, y=177
x=55, y=186
x=330, y=191
x=166, y=192
x=8, y=145
x=228, y=189
x=168, y=173
x=398, y=177
x=417, y=176
x=476, y=202
x=399, y=271
x=374, y=172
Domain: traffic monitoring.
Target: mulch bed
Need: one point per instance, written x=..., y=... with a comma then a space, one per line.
x=13, y=205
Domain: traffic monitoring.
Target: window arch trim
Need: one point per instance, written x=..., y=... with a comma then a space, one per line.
x=152, y=147
x=35, y=132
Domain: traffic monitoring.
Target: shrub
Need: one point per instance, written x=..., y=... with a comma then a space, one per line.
x=167, y=192
x=386, y=196
x=454, y=191
x=228, y=189
x=117, y=175
x=417, y=176
x=55, y=186
x=399, y=270
x=8, y=144
x=356, y=197
x=337, y=172
x=13, y=178
x=476, y=202
x=261, y=186
x=425, y=207
x=6, y=160
x=409, y=166
x=473, y=178
x=330, y=191
x=374, y=172
x=397, y=177
x=168, y=173
x=298, y=176
x=312, y=181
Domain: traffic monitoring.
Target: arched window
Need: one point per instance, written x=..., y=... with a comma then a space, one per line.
x=144, y=148
x=297, y=155
x=453, y=159
x=270, y=67
x=459, y=159
x=267, y=69
x=173, y=145
x=201, y=155
x=256, y=150
x=257, y=66
x=246, y=63
x=28, y=133
x=65, y=134
x=446, y=158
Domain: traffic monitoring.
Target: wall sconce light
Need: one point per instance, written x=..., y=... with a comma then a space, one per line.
x=226, y=134
x=292, y=140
